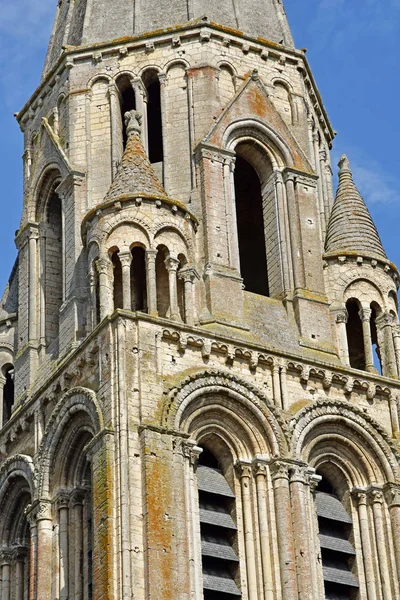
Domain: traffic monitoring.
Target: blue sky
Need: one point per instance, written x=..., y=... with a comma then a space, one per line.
x=352, y=49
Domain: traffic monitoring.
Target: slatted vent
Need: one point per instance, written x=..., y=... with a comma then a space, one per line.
x=335, y=532
x=218, y=531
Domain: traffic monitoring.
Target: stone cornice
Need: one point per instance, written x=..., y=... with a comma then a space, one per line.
x=206, y=31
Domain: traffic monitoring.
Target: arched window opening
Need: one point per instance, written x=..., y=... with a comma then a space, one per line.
x=355, y=338
x=162, y=280
x=337, y=546
x=250, y=228
x=95, y=295
x=117, y=269
x=15, y=542
x=53, y=279
x=154, y=117
x=374, y=339
x=138, y=279
x=127, y=101
x=8, y=393
x=220, y=563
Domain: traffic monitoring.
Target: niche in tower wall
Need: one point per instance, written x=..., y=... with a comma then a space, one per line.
x=355, y=338
x=162, y=282
x=374, y=339
x=154, y=117
x=53, y=268
x=138, y=279
x=8, y=394
x=250, y=228
x=127, y=101
x=117, y=268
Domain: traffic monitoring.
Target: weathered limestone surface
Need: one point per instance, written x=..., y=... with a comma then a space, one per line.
x=131, y=341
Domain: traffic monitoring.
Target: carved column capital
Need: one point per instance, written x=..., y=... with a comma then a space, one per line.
x=78, y=496
x=360, y=496
x=280, y=470
x=392, y=494
x=125, y=258
x=62, y=499
x=260, y=468
x=6, y=557
x=188, y=274
x=19, y=553
x=376, y=496
x=243, y=469
x=191, y=452
x=342, y=316
x=102, y=265
x=365, y=314
x=171, y=264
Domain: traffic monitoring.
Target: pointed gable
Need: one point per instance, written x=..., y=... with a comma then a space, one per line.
x=252, y=102
x=350, y=227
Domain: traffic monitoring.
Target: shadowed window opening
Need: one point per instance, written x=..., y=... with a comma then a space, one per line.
x=220, y=563
x=8, y=394
x=138, y=279
x=117, y=267
x=250, y=227
x=355, y=338
x=375, y=344
x=53, y=268
x=127, y=101
x=154, y=117
x=337, y=546
x=162, y=283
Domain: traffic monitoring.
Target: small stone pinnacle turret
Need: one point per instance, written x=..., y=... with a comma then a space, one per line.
x=350, y=227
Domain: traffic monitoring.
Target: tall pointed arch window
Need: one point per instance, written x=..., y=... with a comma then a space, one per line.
x=355, y=338
x=220, y=563
x=337, y=545
x=252, y=198
x=52, y=282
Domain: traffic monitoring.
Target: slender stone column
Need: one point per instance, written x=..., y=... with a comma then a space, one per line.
x=2, y=384
x=376, y=499
x=392, y=493
x=116, y=132
x=162, y=78
x=172, y=265
x=230, y=207
x=287, y=560
x=365, y=316
x=295, y=234
x=6, y=558
x=19, y=556
x=323, y=156
x=32, y=327
x=284, y=233
x=31, y=518
x=192, y=453
x=188, y=276
x=276, y=384
x=77, y=500
x=151, y=256
x=362, y=505
x=103, y=267
x=341, y=322
x=141, y=106
x=126, y=261
x=63, y=520
x=284, y=390
x=302, y=533
x=394, y=415
x=396, y=342
x=260, y=472
x=245, y=474
x=319, y=185
x=384, y=323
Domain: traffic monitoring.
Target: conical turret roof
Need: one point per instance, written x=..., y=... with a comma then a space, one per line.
x=350, y=227
x=135, y=175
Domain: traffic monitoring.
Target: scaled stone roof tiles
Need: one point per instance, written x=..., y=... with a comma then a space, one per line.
x=350, y=227
x=135, y=175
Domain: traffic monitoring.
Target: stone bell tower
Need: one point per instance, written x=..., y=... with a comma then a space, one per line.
x=199, y=343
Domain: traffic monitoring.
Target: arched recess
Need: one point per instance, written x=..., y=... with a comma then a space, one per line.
x=216, y=399
x=17, y=492
x=7, y=399
x=49, y=215
x=69, y=482
x=354, y=436
x=355, y=459
x=127, y=102
x=283, y=101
